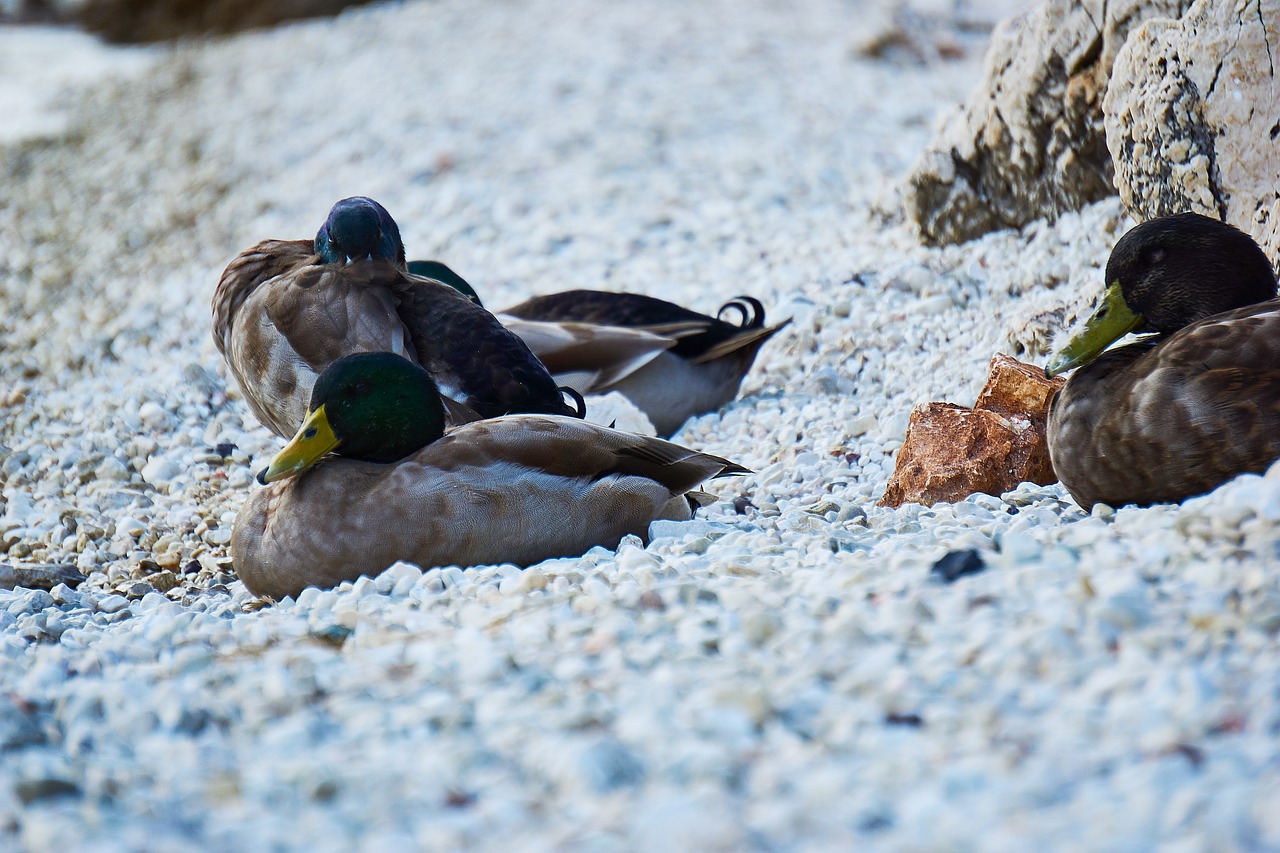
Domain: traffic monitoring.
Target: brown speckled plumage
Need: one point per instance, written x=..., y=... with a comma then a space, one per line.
x=281, y=316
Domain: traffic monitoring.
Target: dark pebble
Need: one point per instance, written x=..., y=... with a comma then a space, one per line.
x=956, y=564
x=334, y=635
x=33, y=790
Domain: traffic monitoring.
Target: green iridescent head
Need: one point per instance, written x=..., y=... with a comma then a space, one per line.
x=374, y=406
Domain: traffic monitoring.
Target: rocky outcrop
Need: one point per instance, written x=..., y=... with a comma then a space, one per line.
x=158, y=20
x=951, y=451
x=1030, y=142
x=1193, y=117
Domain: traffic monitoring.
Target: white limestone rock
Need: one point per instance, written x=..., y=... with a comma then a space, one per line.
x=1030, y=142
x=1193, y=117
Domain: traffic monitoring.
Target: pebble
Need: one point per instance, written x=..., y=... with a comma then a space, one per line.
x=778, y=673
x=161, y=469
x=111, y=603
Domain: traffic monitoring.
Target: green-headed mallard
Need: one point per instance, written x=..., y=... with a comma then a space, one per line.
x=1178, y=413
x=670, y=362
x=286, y=309
x=516, y=489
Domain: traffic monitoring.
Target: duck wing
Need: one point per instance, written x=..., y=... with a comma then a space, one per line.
x=699, y=338
x=1161, y=422
x=246, y=272
x=288, y=327
x=471, y=355
x=594, y=356
x=574, y=449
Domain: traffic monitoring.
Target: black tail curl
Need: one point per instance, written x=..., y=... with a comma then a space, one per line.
x=579, y=405
x=748, y=308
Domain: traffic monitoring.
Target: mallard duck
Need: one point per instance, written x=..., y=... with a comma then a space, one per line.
x=286, y=309
x=516, y=489
x=1186, y=409
x=671, y=362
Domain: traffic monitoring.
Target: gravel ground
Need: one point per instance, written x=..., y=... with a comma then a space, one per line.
x=789, y=677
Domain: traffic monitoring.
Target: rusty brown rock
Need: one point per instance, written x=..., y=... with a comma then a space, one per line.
x=951, y=451
x=1016, y=389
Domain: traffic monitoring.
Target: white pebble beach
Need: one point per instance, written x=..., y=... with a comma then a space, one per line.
x=782, y=673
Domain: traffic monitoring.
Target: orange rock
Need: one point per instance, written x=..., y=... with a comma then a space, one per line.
x=951, y=451
x=1015, y=389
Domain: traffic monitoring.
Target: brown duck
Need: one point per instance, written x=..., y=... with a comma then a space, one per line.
x=286, y=309
x=516, y=489
x=1197, y=402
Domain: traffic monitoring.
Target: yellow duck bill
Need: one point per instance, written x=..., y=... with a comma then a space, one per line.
x=1111, y=321
x=313, y=440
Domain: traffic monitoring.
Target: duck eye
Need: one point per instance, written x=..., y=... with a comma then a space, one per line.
x=361, y=387
x=1154, y=255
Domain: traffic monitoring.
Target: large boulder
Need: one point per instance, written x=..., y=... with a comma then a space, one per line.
x=1030, y=142
x=1193, y=117
x=159, y=20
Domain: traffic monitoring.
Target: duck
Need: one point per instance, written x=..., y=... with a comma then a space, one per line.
x=1194, y=403
x=372, y=477
x=284, y=310
x=671, y=362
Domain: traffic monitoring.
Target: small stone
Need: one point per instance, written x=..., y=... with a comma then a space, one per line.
x=609, y=765
x=160, y=470
x=130, y=527
x=956, y=564
x=169, y=560
x=111, y=470
x=333, y=635
x=38, y=575
x=217, y=536
x=162, y=581
x=153, y=415
x=950, y=452
x=29, y=791
x=111, y=603
x=862, y=425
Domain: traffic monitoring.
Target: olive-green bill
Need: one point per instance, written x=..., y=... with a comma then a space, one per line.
x=313, y=440
x=1110, y=322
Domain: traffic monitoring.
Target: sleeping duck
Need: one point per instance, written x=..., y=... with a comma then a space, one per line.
x=516, y=489
x=1197, y=402
x=286, y=309
x=671, y=362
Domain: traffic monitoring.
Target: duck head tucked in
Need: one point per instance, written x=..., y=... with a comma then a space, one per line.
x=440, y=272
x=1166, y=274
x=1195, y=403
x=359, y=228
x=374, y=406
